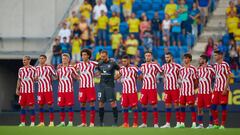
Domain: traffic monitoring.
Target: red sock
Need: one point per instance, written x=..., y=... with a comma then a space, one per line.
x=144, y=117
x=178, y=116
x=41, y=116
x=125, y=117
x=51, y=116
x=62, y=116
x=183, y=115
x=135, y=117
x=70, y=115
x=224, y=117
x=23, y=118
x=215, y=117
x=194, y=117
x=155, y=117
x=168, y=117
x=92, y=116
x=83, y=116
x=32, y=117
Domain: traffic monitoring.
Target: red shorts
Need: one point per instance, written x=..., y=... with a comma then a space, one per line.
x=129, y=99
x=87, y=94
x=45, y=98
x=218, y=98
x=204, y=100
x=26, y=99
x=65, y=99
x=171, y=96
x=149, y=96
x=187, y=100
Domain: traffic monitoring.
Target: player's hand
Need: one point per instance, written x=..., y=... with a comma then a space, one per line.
x=17, y=92
x=224, y=92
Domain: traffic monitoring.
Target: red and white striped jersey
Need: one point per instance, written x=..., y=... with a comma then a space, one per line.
x=150, y=72
x=65, y=76
x=170, y=77
x=86, y=70
x=205, y=75
x=44, y=76
x=128, y=79
x=187, y=76
x=222, y=71
x=26, y=75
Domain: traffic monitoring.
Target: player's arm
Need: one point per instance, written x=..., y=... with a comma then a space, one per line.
x=227, y=83
x=18, y=86
x=117, y=75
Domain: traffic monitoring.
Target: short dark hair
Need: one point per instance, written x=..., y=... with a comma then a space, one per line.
x=188, y=55
x=89, y=53
x=148, y=52
x=169, y=53
x=104, y=51
x=218, y=52
x=125, y=57
x=205, y=57
x=43, y=55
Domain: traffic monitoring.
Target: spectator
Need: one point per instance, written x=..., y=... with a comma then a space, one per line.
x=194, y=19
x=142, y=16
x=116, y=6
x=102, y=28
x=147, y=41
x=97, y=10
x=133, y=25
x=83, y=26
x=73, y=19
x=85, y=10
x=116, y=41
x=209, y=48
x=232, y=23
x=233, y=54
x=76, y=30
x=114, y=22
x=127, y=7
x=131, y=47
x=94, y=30
x=65, y=46
x=231, y=8
x=176, y=30
x=156, y=28
x=64, y=32
x=76, y=43
x=166, y=25
x=57, y=52
x=171, y=9
x=237, y=36
x=238, y=8
x=144, y=26
x=203, y=7
x=182, y=11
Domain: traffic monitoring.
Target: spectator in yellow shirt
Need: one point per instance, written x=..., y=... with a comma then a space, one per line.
x=237, y=36
x=171, y=9
x=131, y=46
x=116, y=41
x=114, y=22
x=232, y=23
x=76, y=48
x=73, y=19
x=133, y=24
x=127, y=7
x=85, y=10
x=116, y=6
x=231, y=7
x=94, y=30
x=102, y=28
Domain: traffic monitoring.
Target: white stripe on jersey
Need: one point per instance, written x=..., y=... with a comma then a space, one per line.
x=205, y=76
x=86, y=73
x=128, y=79
x=27, y=76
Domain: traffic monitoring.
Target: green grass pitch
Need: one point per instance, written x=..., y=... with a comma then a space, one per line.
x=13, y=130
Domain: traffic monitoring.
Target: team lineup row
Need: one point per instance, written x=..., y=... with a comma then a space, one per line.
x=180, y=82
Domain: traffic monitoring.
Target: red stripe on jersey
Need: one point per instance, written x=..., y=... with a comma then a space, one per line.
x=171, y=72
x=65, y=76
x=150, y=72
x=205, y=75
x=128, y=79
x=44, y=76
x=222, y=71
x=27, y=76
x=86, y=70
x=187, y=76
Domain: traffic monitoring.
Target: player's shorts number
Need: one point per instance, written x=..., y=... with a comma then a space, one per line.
x=99, y=94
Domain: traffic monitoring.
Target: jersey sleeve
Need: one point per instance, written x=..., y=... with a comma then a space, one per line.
x=159, y=69
x=52, y=70
x=227, y=69
x=19, y=73
x=116, y=66
x=195, y=73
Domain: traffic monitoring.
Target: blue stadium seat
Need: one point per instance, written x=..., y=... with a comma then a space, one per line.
x=139, y=13
x=178, y=60
x=161, y=14
x=160, y=51
x=123, y=27
x=109, y=50
x=156, y=6
x=141, y=51
x=146, y=5
x=109, y=14
x=160, y=61
x=183, y=50
x=175, y=51
x=136, y=6
x=150, y=14
x=160, y=1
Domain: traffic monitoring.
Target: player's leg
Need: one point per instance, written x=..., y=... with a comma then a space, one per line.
x=41, y=102
x=70, y=103
x=125, y=103
x=191, y=105
x=83, y=99
x=208, y=103
x=91, y=98
x=102, y=99
x=49, y=100
x=133, y=102
x=61, y=104
x=175, y=98
x=111, y=97
x=115, y=112
x=224, y=102
x=22, y=103
x=215, y=102
x=200, y=104
x=168, y=108
x=144, y=102
x=30, y=104
x=182, y=111
x=153, y=100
